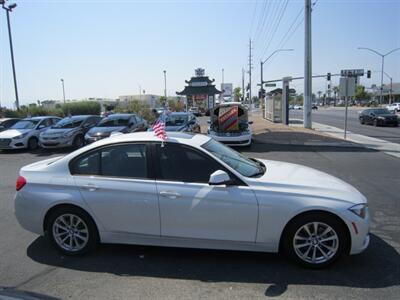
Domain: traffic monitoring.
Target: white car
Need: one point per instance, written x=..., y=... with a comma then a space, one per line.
x=25, y=133
x=229, y=124
x=394, y=107
x=298, y=107
x=189, y=191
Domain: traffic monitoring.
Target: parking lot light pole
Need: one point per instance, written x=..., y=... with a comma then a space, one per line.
x=383, y=62
x=63, y=88
x=9, y=9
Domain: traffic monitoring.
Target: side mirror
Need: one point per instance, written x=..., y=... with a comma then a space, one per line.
x=219, y=177
x=250, y=122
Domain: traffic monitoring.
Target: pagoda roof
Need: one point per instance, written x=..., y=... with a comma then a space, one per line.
x=195, y=90
x=200, y=79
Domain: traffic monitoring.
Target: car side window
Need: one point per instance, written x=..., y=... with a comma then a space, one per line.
x=181, y=163
x=46, y=122
x=127, y=160
x=87, y=164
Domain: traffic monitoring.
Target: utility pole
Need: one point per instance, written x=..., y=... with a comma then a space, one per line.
x=222, y=75
x=307, y=66
x=63, y=88
x=8, y=10
x=250, y=67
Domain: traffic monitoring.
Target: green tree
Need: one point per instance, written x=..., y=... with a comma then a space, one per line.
x=361, y=94
x=237, y=93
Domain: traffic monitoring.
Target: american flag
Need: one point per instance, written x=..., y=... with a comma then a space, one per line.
x=159, y=130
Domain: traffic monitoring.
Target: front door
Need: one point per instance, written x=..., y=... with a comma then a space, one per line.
x=191, y=208
x=114, y=182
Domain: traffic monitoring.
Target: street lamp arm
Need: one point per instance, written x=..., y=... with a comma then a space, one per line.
x=276, y=51
x=376, y=52
x=392, y=51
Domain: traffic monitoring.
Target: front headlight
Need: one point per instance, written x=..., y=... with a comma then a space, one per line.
x=360, y=210
x=21, y=136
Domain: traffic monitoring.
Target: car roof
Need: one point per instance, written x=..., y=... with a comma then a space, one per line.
x=6, y=119
x=179, y=113
x=195, y=140
x=40, y=118
x=79, y=117
x=114, y=116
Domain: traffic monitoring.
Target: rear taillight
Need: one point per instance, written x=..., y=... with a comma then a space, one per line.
x=21, y=181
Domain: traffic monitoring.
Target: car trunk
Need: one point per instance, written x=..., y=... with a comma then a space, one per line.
x=229, y=118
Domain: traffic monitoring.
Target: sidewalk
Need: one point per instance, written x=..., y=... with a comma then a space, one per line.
x=267, y=132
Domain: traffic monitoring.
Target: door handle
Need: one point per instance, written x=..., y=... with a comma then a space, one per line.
x=169, y=194
x=90, y=187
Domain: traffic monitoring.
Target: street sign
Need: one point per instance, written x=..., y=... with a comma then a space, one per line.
x=347, y=86
x=270, y=84
x=352, y=72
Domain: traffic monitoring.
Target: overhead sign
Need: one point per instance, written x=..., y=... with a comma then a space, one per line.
x=270, y=84
x=347, y=86
x=352, y=72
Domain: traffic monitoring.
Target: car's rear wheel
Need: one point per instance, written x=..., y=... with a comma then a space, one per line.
x=78, y=142
x=362, y=121
x=72, y=231
x=32, y=143
x=315, y=240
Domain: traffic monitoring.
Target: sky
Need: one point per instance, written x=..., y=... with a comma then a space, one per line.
x=111, y=48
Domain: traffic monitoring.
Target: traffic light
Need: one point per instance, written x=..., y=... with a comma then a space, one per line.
x=328, y=76
x=261, y=93
x=369, y=74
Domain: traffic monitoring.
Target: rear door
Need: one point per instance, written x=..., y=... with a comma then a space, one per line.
x=117, y=185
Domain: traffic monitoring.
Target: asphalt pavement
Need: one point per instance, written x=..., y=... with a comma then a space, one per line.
x=28, y=263
x=335, y=117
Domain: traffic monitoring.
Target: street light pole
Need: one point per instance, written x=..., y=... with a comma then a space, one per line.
x=63, y=88
x=391, y=84
x=263, y=62
x=307, y=66
x=8, y=10
x=165, y=85
x=383, y=62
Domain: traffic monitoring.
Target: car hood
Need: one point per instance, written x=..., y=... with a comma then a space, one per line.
x=104, y=130
x=301, y=180
x=175, y=128
x=10, y=133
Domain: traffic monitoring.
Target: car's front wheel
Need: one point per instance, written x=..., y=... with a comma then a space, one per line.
x=72, y=231
x=315, y=240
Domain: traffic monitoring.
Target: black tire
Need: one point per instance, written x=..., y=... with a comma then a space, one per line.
x=78, y=142
x=92, y=235
x=327, y=219
x=362, y=121
x=33, y=143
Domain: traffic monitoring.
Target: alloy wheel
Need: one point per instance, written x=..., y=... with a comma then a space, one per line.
x=316, y=242
x=70, y=232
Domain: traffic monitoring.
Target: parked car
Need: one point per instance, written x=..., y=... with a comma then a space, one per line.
x=394, y=107
x=6, y=123
x=314, y=107
x=69, y=132
x=25, y=133
x=116, y=123
x=298, y=107
x=195, y=110
x=190, y=191
x=229, y=124
x=378, y=117
x=181, y=121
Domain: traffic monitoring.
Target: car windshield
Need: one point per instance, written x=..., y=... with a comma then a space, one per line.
x=245, y=166
x=25, y=124
x=382, y=111
x=114, y=122
x=176, y=120
x=68, y=123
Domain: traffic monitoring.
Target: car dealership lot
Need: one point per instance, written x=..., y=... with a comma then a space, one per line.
x=28, y=263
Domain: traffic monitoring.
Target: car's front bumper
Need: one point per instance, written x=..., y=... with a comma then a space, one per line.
x=6, y=144
x=232, y=140
x=55, y=142
x=359, y=231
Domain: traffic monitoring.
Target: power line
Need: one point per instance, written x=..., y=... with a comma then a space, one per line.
x=261, y=22
x=277, y=26
x=266, y=29
x=252, y=19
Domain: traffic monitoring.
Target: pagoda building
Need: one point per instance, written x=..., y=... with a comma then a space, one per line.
x=200, y=92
